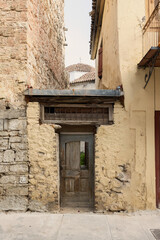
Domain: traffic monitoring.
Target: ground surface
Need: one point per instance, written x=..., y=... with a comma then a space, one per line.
x=85, y=226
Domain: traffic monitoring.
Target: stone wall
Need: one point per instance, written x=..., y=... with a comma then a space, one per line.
x=31, y=48
x=13, y=51
x=120, y=167
x=13, y=161
x=31, y=54
x=43, y=162
x=46, y=41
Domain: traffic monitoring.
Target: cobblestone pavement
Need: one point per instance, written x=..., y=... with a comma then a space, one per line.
x=85, y=226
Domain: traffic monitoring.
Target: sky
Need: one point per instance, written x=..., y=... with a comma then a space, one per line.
x=78, y=22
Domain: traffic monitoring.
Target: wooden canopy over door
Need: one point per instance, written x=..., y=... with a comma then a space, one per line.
x=157, y=151
x=76, y=183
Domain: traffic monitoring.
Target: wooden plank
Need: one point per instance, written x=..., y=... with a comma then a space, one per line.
x=67, y=122
x=147, y=58
x=73, y=156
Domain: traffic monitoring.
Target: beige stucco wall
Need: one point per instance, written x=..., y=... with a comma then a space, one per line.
x=137, y=99
x=109, y=39
x=134, y=139
x=43, y=161
x=120, y=164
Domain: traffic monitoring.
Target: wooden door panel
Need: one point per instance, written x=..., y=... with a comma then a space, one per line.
x=72, y=155
x=76, y=182
x=69, y=185
x=84, y=185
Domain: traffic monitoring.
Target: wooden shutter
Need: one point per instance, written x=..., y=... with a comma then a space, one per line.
x=100, y=62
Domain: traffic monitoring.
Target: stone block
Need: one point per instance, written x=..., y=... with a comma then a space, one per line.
x=4, y=144
x=9, y=156
x=19, y=146
x=1, y=124
x=21, y=156
x=2, y=191
x=6, y=124
x=4, y=134
x=1, y=156
x=8, y=179
x=13, y=203
x=4, y=168
x=19, y=168
x=14, y=133
x=13, y=114
x=23, y=179
x=17, y=191
x=16, y=124
x=15, y=139
x=37, y=206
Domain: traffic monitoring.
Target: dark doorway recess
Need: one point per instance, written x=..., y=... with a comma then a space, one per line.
x=77, y=170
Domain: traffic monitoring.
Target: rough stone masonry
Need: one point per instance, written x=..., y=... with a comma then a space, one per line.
x=31, y=55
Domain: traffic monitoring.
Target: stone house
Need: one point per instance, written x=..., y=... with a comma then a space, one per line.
x=79, y=148
x=125, y=44
x=78, y=70
x=86, y=81
x=31, y=56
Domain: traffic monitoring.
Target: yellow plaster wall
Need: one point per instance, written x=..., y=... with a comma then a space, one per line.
x=43, y=160
x=135, y=138
x=109, y=38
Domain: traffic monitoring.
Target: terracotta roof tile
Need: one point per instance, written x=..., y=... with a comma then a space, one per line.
x=80, y=67
x=85, y=78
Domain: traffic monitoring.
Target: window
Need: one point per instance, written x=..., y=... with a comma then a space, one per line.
x=84, y=155
x=99, y=115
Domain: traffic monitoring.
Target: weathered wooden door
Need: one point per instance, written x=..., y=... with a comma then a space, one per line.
x=77, y=170
x=157, y=152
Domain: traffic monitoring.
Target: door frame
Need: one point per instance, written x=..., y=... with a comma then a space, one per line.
x=74, y=134
x=157, y=156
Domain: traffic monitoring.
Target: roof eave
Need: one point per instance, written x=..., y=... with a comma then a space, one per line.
x=73, y=93
x=96, y=27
